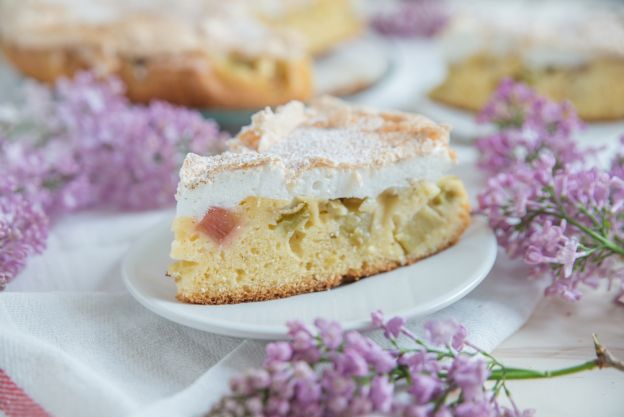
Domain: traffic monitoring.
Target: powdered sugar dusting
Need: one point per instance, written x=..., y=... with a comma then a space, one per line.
x=326, y=150
x=332, y=133
x=338, y=147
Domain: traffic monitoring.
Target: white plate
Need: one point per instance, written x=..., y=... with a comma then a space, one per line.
x=465, y=126
x=415, y=290
x=352, y=67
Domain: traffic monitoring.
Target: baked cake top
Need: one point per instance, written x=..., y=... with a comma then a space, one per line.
x=328, y=149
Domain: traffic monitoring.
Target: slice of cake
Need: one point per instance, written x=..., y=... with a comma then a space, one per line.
x=564, y=50
x=308, y=198
x=208, y=54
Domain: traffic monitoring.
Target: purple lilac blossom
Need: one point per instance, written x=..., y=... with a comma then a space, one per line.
x=23, y=228
x=528, y=126
x=412, y=18
x=446, y=332
x=81, y=144
x=617, y=163
x=545, y=202
x=351, y=375
x=566, y=223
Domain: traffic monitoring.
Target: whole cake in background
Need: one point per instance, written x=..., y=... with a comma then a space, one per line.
x=308, y=198
x=236, y=54
x=564, y=50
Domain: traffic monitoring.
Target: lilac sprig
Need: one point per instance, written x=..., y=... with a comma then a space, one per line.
x=412, y=18
x=617, y=163
x=568, y=224
x=544, y=200
x=23, y=229
x=329, y=372
x=81, y=145
x=527, y=126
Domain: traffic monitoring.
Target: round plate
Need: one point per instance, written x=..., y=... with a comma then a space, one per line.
x=414, y=290
x=464, y=123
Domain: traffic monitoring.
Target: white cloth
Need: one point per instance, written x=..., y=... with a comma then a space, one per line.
x=78, y=344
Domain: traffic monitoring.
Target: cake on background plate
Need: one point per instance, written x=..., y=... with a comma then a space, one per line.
x=308, y=198
x=321, y=24
x=238, y=54
x=564, y=50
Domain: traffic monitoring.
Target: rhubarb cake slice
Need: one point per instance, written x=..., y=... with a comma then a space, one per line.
x=309, y=197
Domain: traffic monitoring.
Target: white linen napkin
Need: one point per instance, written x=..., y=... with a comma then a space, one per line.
x=77, y=344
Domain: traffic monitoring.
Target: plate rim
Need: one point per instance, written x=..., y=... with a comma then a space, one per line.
x=278, y=332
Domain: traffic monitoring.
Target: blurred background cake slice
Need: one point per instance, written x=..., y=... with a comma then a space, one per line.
x=565, y=50
x=307, y=198
x=240, y=54
x=321, y=24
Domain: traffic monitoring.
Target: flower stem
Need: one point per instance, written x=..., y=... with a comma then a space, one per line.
x=604, y=359
x=607, y=243
x=510, y=374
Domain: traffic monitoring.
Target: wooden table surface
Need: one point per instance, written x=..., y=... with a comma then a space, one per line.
x=559, y=334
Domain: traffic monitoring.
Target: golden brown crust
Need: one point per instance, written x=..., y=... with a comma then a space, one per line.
x=313, y=284
x=45, y=64
x=187, y=78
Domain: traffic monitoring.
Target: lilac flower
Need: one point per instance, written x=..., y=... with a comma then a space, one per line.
x=380, y=358
x=330, y=332
x=529, y=126
x=413, y=18
x=344, y=381
x=543, y=202
x=425, y=387
x=564, y=222
x=258, y=379
x=23, y=229
x=516, y=106
x=381, y=393
x=393, y=328
x=253, y=405
x=469, y=374
x=82, y=145
x=421, y=362
x=278, y=352
x=303, y=342
x=447, y=332
x=475, y=409
x=416, y=411
x=377, y=318
x=617, y=163
x=352, y=363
